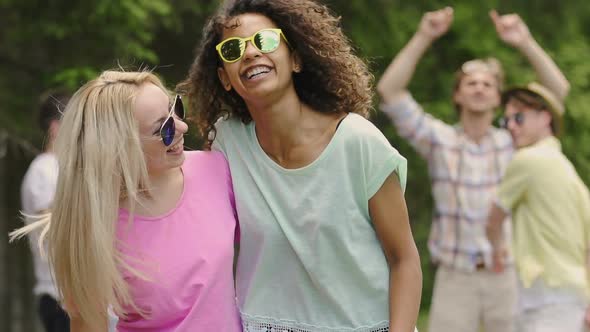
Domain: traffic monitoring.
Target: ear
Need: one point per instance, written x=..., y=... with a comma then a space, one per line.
x=223, y=78
x=547, y=117
x=296, y=62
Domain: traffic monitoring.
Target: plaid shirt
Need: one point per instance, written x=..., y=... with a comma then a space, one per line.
x=464, y=175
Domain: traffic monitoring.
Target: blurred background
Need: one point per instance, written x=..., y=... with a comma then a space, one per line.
x=59, y=44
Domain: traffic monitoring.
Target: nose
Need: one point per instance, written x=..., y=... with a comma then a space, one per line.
x=251, y=51
x=180, y=125
x=480, y=86
x=511, y=124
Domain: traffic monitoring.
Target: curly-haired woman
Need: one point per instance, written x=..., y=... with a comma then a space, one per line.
x=325, y=238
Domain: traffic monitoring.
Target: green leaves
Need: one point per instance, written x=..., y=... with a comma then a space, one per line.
x=380, y=28
x=62, y=43
x=46, y=44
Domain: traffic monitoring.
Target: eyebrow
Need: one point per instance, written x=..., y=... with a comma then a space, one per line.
x=160, y=120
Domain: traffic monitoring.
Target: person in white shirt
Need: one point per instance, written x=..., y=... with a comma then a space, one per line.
x=37, y=192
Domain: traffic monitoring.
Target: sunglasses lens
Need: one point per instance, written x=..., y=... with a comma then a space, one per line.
x=267, y=40
x=518, y=118
x=179, y=108
x=168, y=131
x=232, y=49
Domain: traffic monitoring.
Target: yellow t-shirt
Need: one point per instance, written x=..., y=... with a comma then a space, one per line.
x=550, y=208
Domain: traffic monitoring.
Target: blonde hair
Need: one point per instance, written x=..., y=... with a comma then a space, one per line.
x=490, y=64
x=100, y=162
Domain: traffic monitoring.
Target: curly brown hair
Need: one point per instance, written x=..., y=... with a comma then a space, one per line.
x=333, y=78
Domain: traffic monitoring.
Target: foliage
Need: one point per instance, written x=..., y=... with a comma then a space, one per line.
x=381, y=29
x=63, y=43
x=49, y=44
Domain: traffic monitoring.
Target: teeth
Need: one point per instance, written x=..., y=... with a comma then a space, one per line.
x=257, y=70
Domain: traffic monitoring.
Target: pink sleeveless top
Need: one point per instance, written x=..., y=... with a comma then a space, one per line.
x=187, y=253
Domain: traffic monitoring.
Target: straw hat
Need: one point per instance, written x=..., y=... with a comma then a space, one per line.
x=552, y=102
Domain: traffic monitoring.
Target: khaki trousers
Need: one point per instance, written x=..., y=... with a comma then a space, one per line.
x=563, y=317
x=464, y=301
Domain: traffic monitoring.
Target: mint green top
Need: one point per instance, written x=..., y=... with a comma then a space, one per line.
x=309, y=256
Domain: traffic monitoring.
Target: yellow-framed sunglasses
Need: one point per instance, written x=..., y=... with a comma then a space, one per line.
x=265, y=40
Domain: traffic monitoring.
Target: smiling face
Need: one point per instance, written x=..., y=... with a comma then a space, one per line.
x=152, y=107
x=535, y=124
x=257, y=76
x=478, y=92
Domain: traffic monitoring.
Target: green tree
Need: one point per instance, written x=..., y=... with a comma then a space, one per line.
x=45, y=44
x=380, y=28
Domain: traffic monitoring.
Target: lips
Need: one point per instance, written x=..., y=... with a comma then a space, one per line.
x=176, y=148
x=256, y=71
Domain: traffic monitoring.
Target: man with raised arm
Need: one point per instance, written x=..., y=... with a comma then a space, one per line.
x=466, y=163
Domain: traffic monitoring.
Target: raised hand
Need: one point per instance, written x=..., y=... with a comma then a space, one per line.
x=511, y=29
x=437, y=23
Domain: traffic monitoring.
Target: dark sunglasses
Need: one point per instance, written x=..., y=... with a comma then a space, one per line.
x=266, y=41
x=517, y=117
x=168, y=128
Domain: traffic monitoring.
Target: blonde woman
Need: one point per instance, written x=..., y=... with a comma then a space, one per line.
x=137, y=222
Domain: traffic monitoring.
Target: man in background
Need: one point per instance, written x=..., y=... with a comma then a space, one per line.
x=550, y=207
x=466, y=162
x=37, y=192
